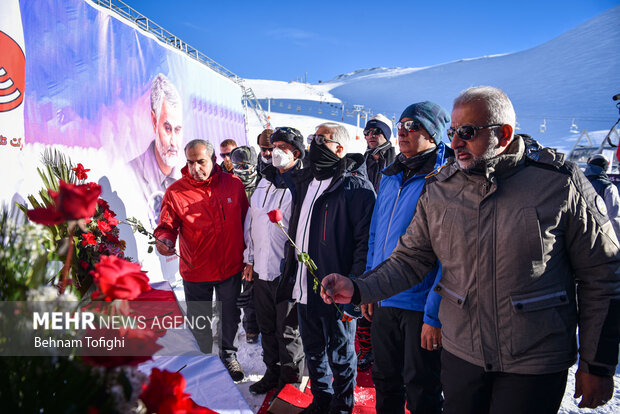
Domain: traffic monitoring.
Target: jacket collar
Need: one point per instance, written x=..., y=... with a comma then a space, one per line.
x=381, y=149
x=432, y=164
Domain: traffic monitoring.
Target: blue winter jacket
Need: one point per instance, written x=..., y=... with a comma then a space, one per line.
x=394, y=210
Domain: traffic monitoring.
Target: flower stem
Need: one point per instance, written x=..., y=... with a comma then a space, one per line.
x=67, y=266
x=309, y=267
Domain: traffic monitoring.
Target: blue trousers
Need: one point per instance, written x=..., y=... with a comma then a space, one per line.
x=330, y=356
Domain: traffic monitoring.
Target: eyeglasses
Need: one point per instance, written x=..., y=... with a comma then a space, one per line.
x=224, y=154
x=467, y=132
x=411, y=126
x=263, y=149
x=322, y=139
x=372, y=131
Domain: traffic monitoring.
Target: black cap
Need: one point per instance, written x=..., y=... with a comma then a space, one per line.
x=291, y=136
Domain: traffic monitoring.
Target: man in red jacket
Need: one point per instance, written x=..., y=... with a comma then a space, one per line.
x=206, y=209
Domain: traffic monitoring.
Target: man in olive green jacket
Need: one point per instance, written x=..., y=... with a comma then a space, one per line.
x=528, y=254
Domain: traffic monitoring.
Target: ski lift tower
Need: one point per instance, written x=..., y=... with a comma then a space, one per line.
x=358, y=109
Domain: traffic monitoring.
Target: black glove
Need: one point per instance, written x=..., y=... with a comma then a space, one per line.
x=247, y=295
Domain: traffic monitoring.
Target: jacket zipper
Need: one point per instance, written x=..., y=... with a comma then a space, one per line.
x=222, y=207
x=325, y=223
x=391, y=218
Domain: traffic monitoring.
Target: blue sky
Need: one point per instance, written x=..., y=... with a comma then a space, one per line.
x=282, y=40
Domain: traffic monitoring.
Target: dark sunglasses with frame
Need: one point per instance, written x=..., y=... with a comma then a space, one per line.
x=373, y=131
x=411, y=126
x=322, y=139
x=467, y=132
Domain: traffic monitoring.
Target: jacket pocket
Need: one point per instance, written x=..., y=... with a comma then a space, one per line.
x=454, y=314
x=445, y=231
x=534, y=241
x=536, y=324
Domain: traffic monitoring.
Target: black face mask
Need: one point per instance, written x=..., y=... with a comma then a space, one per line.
x=323, y=162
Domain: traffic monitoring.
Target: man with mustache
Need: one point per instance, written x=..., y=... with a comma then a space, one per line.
x=205, y=210
x=158, y=167
x=527, y=253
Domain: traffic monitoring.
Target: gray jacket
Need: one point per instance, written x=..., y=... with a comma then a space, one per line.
x=523, y=246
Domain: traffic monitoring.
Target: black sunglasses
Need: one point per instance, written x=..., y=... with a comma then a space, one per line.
x=225, y=154
x=467, y=132
x=411, y=126
x=322, y=139
x=373, y=131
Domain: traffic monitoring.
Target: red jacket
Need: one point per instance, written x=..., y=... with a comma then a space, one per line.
x=209, y=217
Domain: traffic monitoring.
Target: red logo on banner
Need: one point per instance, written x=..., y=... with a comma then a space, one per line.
x=12, y=73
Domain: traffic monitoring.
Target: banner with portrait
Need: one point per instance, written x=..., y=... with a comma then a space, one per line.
x=76, y=77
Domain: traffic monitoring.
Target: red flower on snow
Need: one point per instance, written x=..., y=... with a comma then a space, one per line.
x=71, y=202
x=119, y=279
x=80, y=172
x=166, y=394
x=275, y=216
x=88, y=238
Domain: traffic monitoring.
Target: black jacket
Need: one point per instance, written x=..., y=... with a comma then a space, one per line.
x=387, y=154
x=338, y=241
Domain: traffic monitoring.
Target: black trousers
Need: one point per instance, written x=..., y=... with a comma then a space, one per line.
x=282, y=348
x=199, y=296
x=403, y=370
x=469, y=389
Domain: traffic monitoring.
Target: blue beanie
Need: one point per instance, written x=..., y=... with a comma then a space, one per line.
x=381, y=122
x=432, y=116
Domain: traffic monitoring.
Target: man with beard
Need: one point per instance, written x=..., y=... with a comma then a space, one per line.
x=330, y=220
x=206, y=209
x=527, y=253
x=157, y=167
x=380, y=152
x=265, y=149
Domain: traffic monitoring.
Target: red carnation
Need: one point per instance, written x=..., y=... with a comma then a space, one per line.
x=275, y=216
x=112, y=238
x=102, y=204
x=119, y=279
x=109, y=216
x=80, y=172
x=71, y=202
x=88, y=238
x=103, y=226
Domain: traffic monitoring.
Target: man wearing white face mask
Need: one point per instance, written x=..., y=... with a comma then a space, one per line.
x=264, y=254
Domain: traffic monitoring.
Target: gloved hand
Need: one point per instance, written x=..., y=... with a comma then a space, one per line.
x=247, y=295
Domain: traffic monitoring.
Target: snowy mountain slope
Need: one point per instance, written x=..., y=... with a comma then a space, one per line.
x=571, y=77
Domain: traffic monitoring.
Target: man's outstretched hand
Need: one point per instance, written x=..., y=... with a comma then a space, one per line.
x=336, y=288
x=594, y=390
